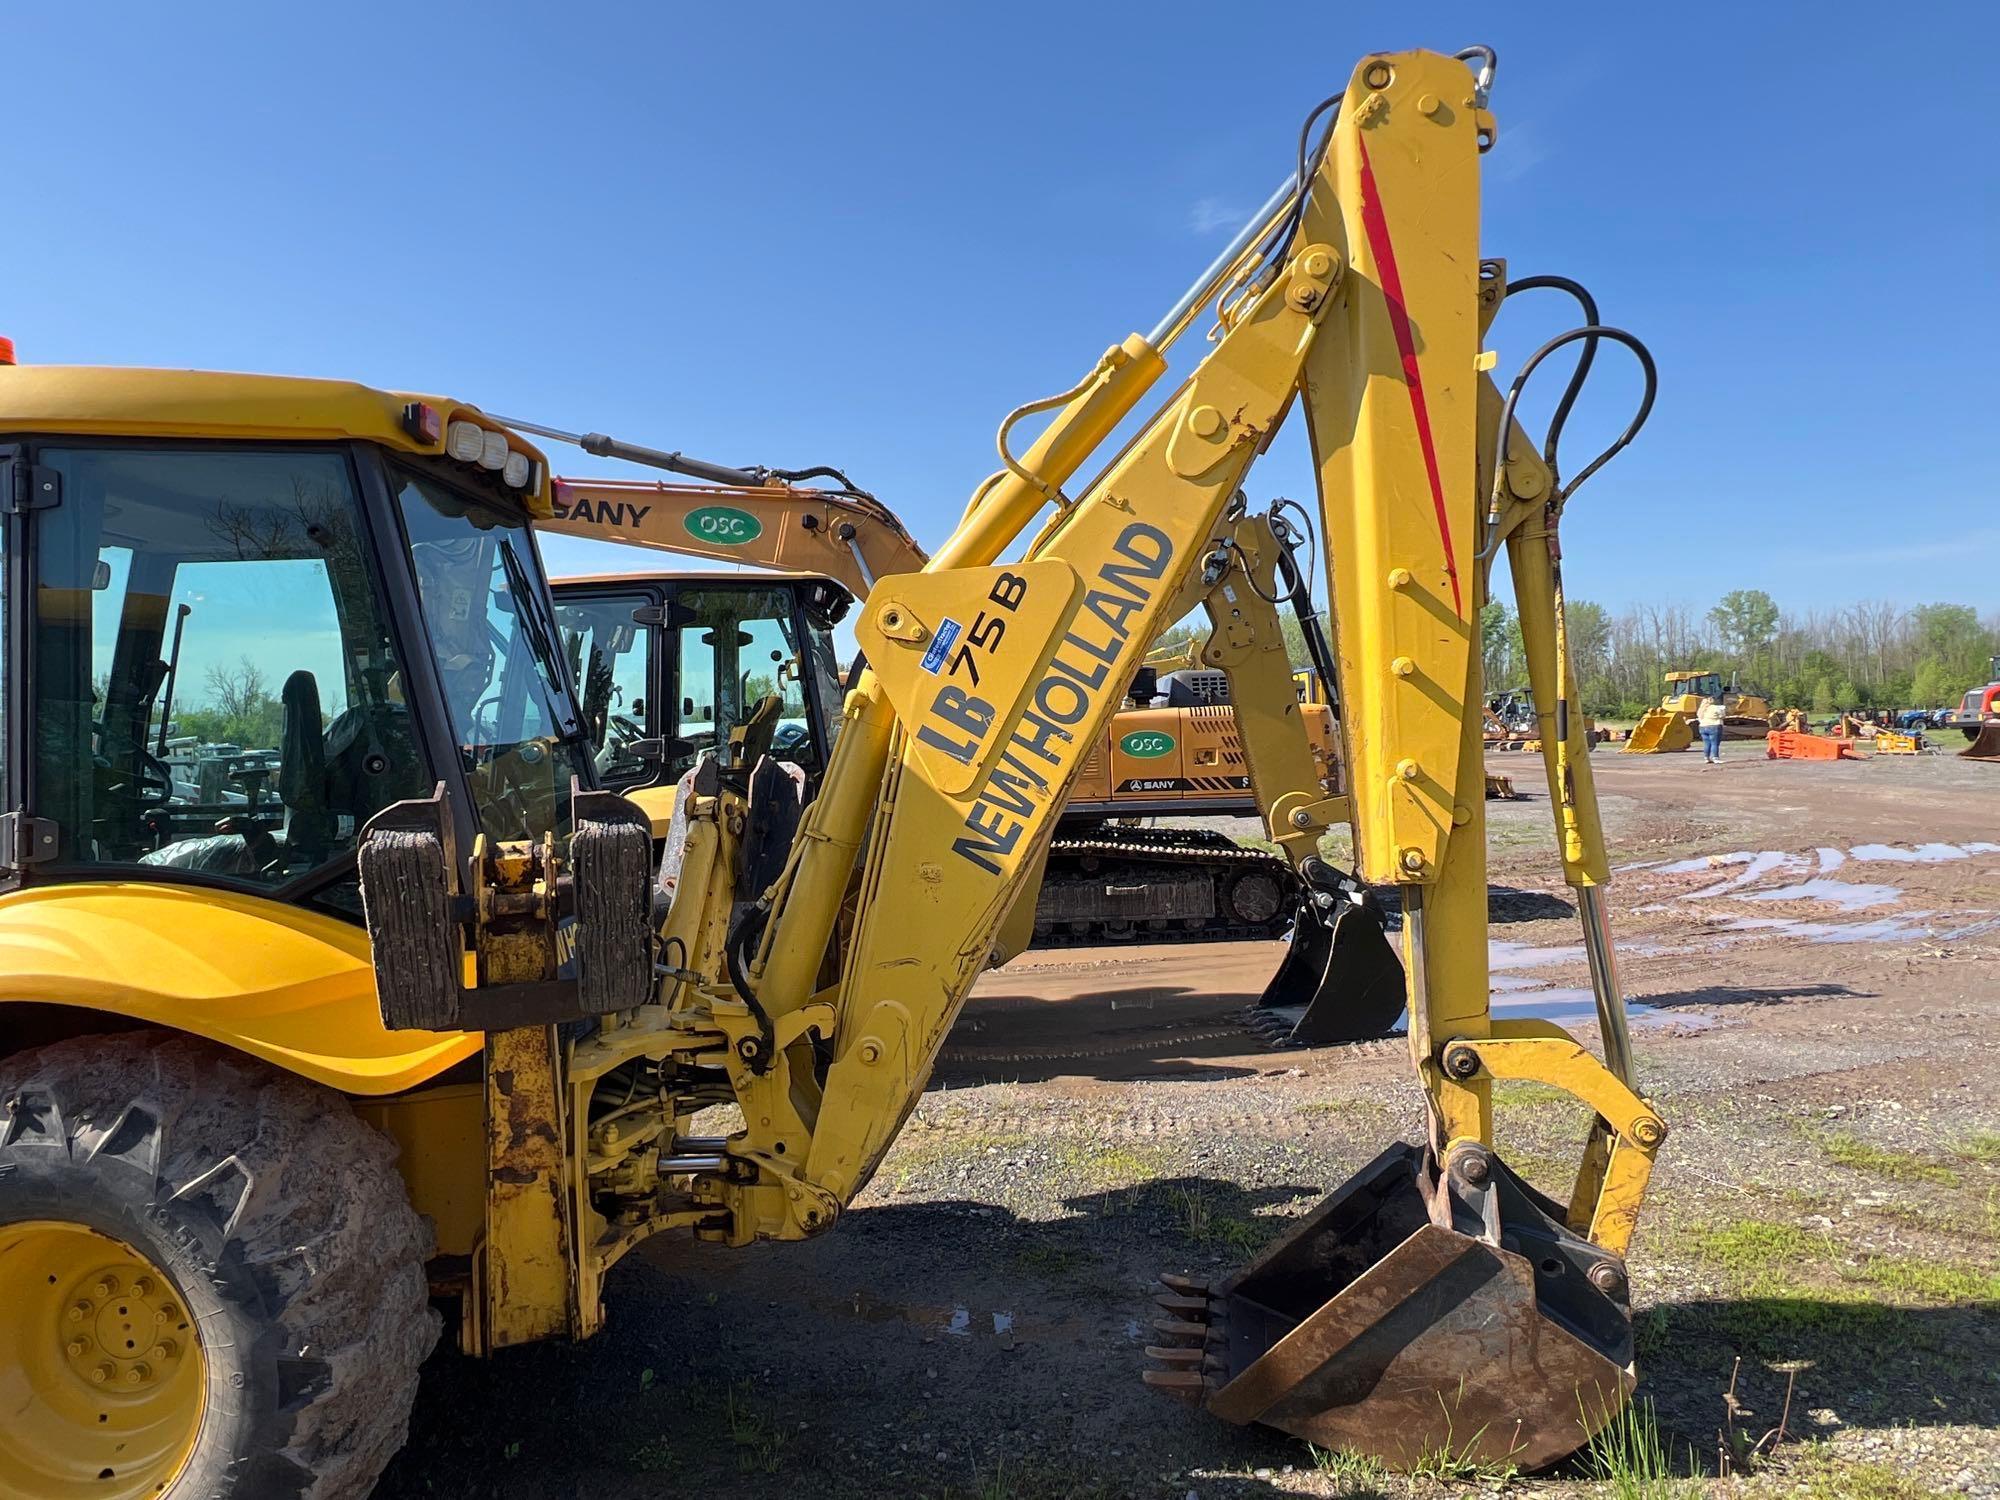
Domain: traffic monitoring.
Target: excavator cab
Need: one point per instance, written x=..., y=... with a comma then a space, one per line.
x=670, y=666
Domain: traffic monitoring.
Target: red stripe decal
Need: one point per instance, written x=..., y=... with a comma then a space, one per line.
x=1377, y=228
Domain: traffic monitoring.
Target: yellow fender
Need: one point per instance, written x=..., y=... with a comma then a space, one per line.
x=277, y=981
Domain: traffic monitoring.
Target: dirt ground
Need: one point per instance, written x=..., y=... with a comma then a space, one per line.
x=1813, y=953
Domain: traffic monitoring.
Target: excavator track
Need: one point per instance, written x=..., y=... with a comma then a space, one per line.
x=1161, y=885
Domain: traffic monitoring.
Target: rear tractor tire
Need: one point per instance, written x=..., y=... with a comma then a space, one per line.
x=211, y=1279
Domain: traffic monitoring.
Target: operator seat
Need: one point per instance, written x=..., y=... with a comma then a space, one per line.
x=302, y=771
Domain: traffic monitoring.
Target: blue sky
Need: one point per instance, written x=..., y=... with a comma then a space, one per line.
x=859, y=234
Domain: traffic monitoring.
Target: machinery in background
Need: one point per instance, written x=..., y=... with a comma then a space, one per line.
x=1978, y=717
x=442, y=932
x=1671, y=725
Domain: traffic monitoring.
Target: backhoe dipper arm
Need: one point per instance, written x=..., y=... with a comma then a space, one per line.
x=844, y=537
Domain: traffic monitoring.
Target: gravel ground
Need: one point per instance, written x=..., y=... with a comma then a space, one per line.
x=1812, y=950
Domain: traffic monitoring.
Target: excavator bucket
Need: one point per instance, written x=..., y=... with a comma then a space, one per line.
x=1340, y=981
x=1661, y=730
x=1415, y=1314
x=1985, y=745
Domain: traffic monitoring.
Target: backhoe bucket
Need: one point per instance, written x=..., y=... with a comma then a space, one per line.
x=1985, y=745
x=1662, y=729
x=1413, y=1315
x=1340, y=981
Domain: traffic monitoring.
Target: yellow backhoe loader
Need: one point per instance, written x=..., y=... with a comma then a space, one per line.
x=214, y=1266
x=1671, y=725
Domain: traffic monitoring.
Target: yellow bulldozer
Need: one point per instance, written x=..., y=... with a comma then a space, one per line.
x=373, y=997
x=1747, y=714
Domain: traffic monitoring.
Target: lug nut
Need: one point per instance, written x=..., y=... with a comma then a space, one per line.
x=167, y=1313
x=107, y=1286
x=78, y=1348
x=163, y=1350
x=139, y=1374
x=79, y=1310
x=101, y=1374
x=143, y=1287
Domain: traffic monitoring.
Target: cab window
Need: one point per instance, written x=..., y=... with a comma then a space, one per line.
x=736, y=648
x=487, y=618
x=216, y=689
x=611, y=661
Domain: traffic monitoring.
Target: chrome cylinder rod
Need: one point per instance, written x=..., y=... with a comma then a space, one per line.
x=1210, y=281
x=1603, y=961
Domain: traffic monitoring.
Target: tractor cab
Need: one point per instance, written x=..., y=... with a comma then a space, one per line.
x=245, y=614
x=677, y=668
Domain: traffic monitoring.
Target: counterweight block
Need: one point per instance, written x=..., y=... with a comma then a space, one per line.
x=1412, y=1314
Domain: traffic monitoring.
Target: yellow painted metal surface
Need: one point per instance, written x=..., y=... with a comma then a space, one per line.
x=285, y=984
x=527, y=1282
x=440, y=1135
x=102, y=1376
x=658, y=804
x=214, y=404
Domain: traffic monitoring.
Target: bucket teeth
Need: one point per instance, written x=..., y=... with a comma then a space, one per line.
x=1190, y=1385
x=1190, y=1362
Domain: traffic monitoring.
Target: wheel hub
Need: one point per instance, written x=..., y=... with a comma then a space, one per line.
x=121, y=1329
x=100, y=1363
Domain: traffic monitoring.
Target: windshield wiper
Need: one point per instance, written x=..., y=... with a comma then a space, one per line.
x=527, y=609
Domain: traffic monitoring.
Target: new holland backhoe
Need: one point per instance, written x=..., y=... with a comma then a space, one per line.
x=414, y=921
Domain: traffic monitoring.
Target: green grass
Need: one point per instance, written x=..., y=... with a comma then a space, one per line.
x=653, y=1456
x=1898, y=1166
x=1756, y=1247
x=1930, y=1281
x=1981, y=1146
x=1519, y=1093
x=760, y=1442
x=1049, y=1260
x=1776, y=1261
x=1630, y=1461
x=1347, y=1468
x=1815, y=1472
x=1200, y=1224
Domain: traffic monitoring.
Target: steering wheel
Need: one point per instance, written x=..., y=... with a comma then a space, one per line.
x=156, y=781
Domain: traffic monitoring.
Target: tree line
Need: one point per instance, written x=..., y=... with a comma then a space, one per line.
x=1868, y=655
x=1874, y=654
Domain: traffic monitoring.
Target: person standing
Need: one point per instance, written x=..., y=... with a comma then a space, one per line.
x=1708, y=718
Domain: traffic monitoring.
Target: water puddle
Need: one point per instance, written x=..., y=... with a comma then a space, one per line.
x=1569, y=1005
x=1846, y=894
x=1921, y=854
x=1505, y=955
